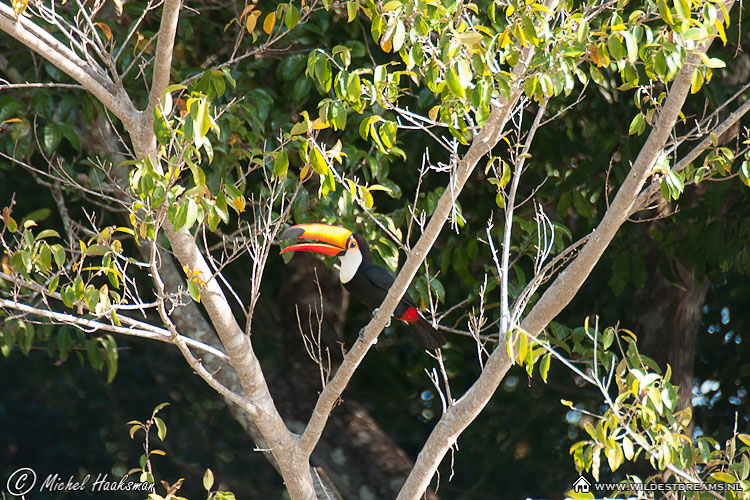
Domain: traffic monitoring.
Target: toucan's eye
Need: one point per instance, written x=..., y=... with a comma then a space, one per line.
x=352, y=244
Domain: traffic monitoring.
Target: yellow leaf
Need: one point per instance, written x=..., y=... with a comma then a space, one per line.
x=105, y=29
x=5, y=265
x=252, y=20
x=247, y=11
x=239, y=203
x=504, y=39
x=696, y=82
x=723, y=477
x=269, y=22
x=387, y=46
x=19, y=6
x=433, y=113
x=118, y=5
x=484, y=30
x=305, y=172
x=318, y=124
x=720, y=30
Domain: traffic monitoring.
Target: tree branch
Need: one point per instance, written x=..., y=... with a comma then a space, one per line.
x=43, y=43
x=282, y=443
x=163, y=58
x=653, y=189
x=132, y=331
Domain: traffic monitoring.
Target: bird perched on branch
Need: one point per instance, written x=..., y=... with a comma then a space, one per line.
x=366, y=281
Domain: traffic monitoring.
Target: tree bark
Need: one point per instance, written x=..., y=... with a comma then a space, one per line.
x=667, y=319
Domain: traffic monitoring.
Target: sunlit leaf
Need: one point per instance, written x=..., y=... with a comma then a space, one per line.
x=268, y=23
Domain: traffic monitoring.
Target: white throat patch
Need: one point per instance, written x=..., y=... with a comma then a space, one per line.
x=350, y=262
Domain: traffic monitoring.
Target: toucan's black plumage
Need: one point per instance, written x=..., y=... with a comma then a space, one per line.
x=366, y=281
x=370, y=285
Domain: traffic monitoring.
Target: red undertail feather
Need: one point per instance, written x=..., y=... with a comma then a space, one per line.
x=427, y=335
x=410, y=316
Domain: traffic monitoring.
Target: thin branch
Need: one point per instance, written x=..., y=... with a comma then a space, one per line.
x=21, y=86
x=653, y=189
x=93, y=326
x=510, y=206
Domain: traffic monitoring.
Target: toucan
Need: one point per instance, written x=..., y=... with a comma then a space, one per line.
x=366, y=281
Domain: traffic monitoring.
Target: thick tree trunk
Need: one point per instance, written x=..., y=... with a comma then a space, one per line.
x=667, y=319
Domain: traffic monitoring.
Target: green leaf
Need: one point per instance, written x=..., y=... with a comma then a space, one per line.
x=221, y=207
x=387, y=134
x=292, y=17
x=338, y=115
x=318, y=162
x=664, y=12
x=193, y=290
x=464, y=73
x=596, y=75
x=715, y=63
x=676, y=184
x=110, y=355
x=469, y=37
x=638, y=125
x=581, y=204
x=323, y=75
x=299, y=128
x=191, y=213
x=505, y=178
x=454, y=84
x=58, y=252
x=70, y=134
x=500, y=199
x=631, y=46
x=46, y=234
x=280, y=163
x=694, y=34
x=683, y=9
x=158, y=408
x=161, y=428
x=544, y=366
x=180, y=216
x=11, y=224
x=353, y=87
x=53, y=284
x=351, y=10
x=615, y=46
x=208, y=480
x=45, y=257
x=724, y=477
x=21, y=129
x=51, y=138
x=199, y=177
x=94, y=354
x=68, y=296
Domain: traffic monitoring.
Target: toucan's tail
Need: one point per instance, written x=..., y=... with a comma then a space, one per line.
x=430, y=338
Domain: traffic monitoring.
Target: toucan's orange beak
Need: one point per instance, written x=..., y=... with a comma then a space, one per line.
x=329, y=240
